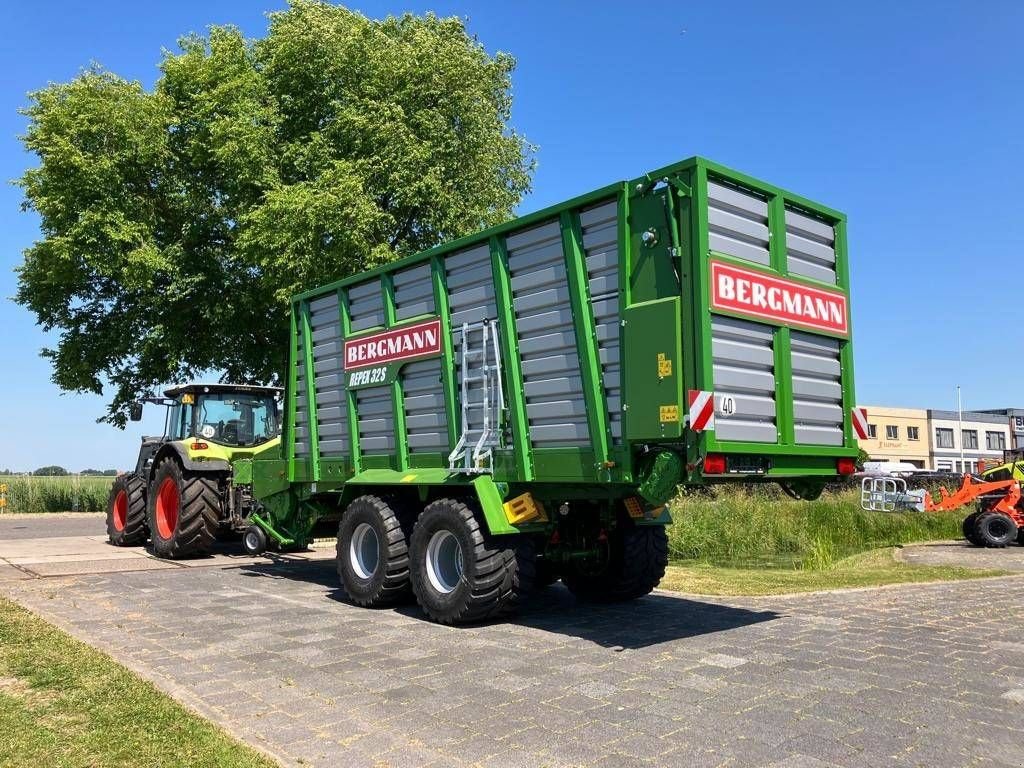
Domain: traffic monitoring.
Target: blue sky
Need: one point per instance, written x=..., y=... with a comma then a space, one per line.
x=906, y=116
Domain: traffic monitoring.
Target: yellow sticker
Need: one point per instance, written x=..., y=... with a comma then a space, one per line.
x=664, y=366
x=408, y=478
x=667, y=413
x=187, y=399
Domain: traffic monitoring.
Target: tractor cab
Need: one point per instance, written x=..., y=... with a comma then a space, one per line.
x=234, y=416
x=212, y=421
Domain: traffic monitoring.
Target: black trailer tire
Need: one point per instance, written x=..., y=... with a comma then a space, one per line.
x=995, y=530
x=184, y=511
x=254, y=541
x=373, y=553
x=547, y=574
x=637, y=558
x=126, y=511
x=968, y=528
x=459, y=574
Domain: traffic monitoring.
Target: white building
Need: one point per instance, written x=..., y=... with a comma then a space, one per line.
x=981, y=436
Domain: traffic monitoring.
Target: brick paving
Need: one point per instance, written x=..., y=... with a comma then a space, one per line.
x=928, y=675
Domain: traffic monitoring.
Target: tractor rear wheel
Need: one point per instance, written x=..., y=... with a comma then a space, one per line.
x=637, y=557
x=373, y=554
x=126, y=511
x=184, y=508
x=968, y=528
x=995, y=529
x=461, y=575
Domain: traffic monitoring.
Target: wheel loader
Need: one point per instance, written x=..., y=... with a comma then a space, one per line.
x=192, y=484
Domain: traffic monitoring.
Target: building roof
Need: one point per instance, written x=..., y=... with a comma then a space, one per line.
x=986, y=418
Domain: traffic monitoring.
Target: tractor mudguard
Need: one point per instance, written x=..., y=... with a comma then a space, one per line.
x=176, y=450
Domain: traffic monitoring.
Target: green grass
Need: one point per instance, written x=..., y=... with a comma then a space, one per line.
x=63, y=703
x=56, y=494
x=867, y=569
x=753, y=526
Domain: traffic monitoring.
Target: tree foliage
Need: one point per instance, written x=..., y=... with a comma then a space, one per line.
x=177, y=222
x=52, y=470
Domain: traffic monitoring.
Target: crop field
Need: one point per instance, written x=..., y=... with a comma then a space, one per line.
x=71, y=493
x=759, y=526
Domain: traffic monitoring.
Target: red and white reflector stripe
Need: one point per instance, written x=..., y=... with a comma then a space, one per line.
x=702, y=409
x=860, y=422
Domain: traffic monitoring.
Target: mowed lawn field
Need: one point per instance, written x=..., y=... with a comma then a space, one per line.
x=753, y=540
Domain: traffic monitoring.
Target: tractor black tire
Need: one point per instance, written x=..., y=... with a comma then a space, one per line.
x=1020, y=536
x=373, y=553
x=459, y=574
x=968, y=528
x=637, y=557
x=126, y=511
x=995, y=530
x=183, y=509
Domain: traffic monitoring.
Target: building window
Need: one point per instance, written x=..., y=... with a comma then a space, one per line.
x=995, y=441
x=970, y=438
x=873, y=431
x=913, y=434
x=892, y=432
x=943, y=438
x=945, y=466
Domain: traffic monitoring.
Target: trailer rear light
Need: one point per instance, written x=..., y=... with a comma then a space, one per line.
x=199, y=446
x=846, y=466
x=714, y=464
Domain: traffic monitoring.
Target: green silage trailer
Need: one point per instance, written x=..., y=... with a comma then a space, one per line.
x=519, y=405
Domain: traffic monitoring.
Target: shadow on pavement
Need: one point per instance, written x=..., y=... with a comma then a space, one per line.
x=651, y=620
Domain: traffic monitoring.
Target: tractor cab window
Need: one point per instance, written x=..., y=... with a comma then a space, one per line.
x=232, y=418
x=179, y=421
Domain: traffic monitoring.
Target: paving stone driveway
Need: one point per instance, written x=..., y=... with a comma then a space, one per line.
x=925, y=675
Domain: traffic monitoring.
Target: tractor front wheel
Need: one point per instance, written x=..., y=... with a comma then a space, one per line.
x=184, y=508
x=126, y=511
x=995, y=530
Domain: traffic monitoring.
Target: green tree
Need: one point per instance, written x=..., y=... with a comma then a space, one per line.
x=51, y=471
x=177, y=222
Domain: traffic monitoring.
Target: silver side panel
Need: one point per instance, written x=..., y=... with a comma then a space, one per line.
x=376, y=420
x=366, y=305
x=737, y=223
x=817, y=389
x=301, y=403
x=744, y=367
x=470, y=285
x=810, y=247
x=414, y=292
x=601, y=249
x=328, y=363
x=555, y=407
x=425, y=420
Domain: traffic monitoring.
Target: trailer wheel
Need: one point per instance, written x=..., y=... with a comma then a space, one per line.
x=637, y=557
x=995, y=529
x=373, y=555
x=968, y=528
x=460, y=575
x=254, y=541
x=126, y=511
x=184, y=508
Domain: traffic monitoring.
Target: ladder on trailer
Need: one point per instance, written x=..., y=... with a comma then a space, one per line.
x=482, y=398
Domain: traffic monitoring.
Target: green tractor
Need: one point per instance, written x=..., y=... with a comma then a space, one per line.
x=192, y=485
